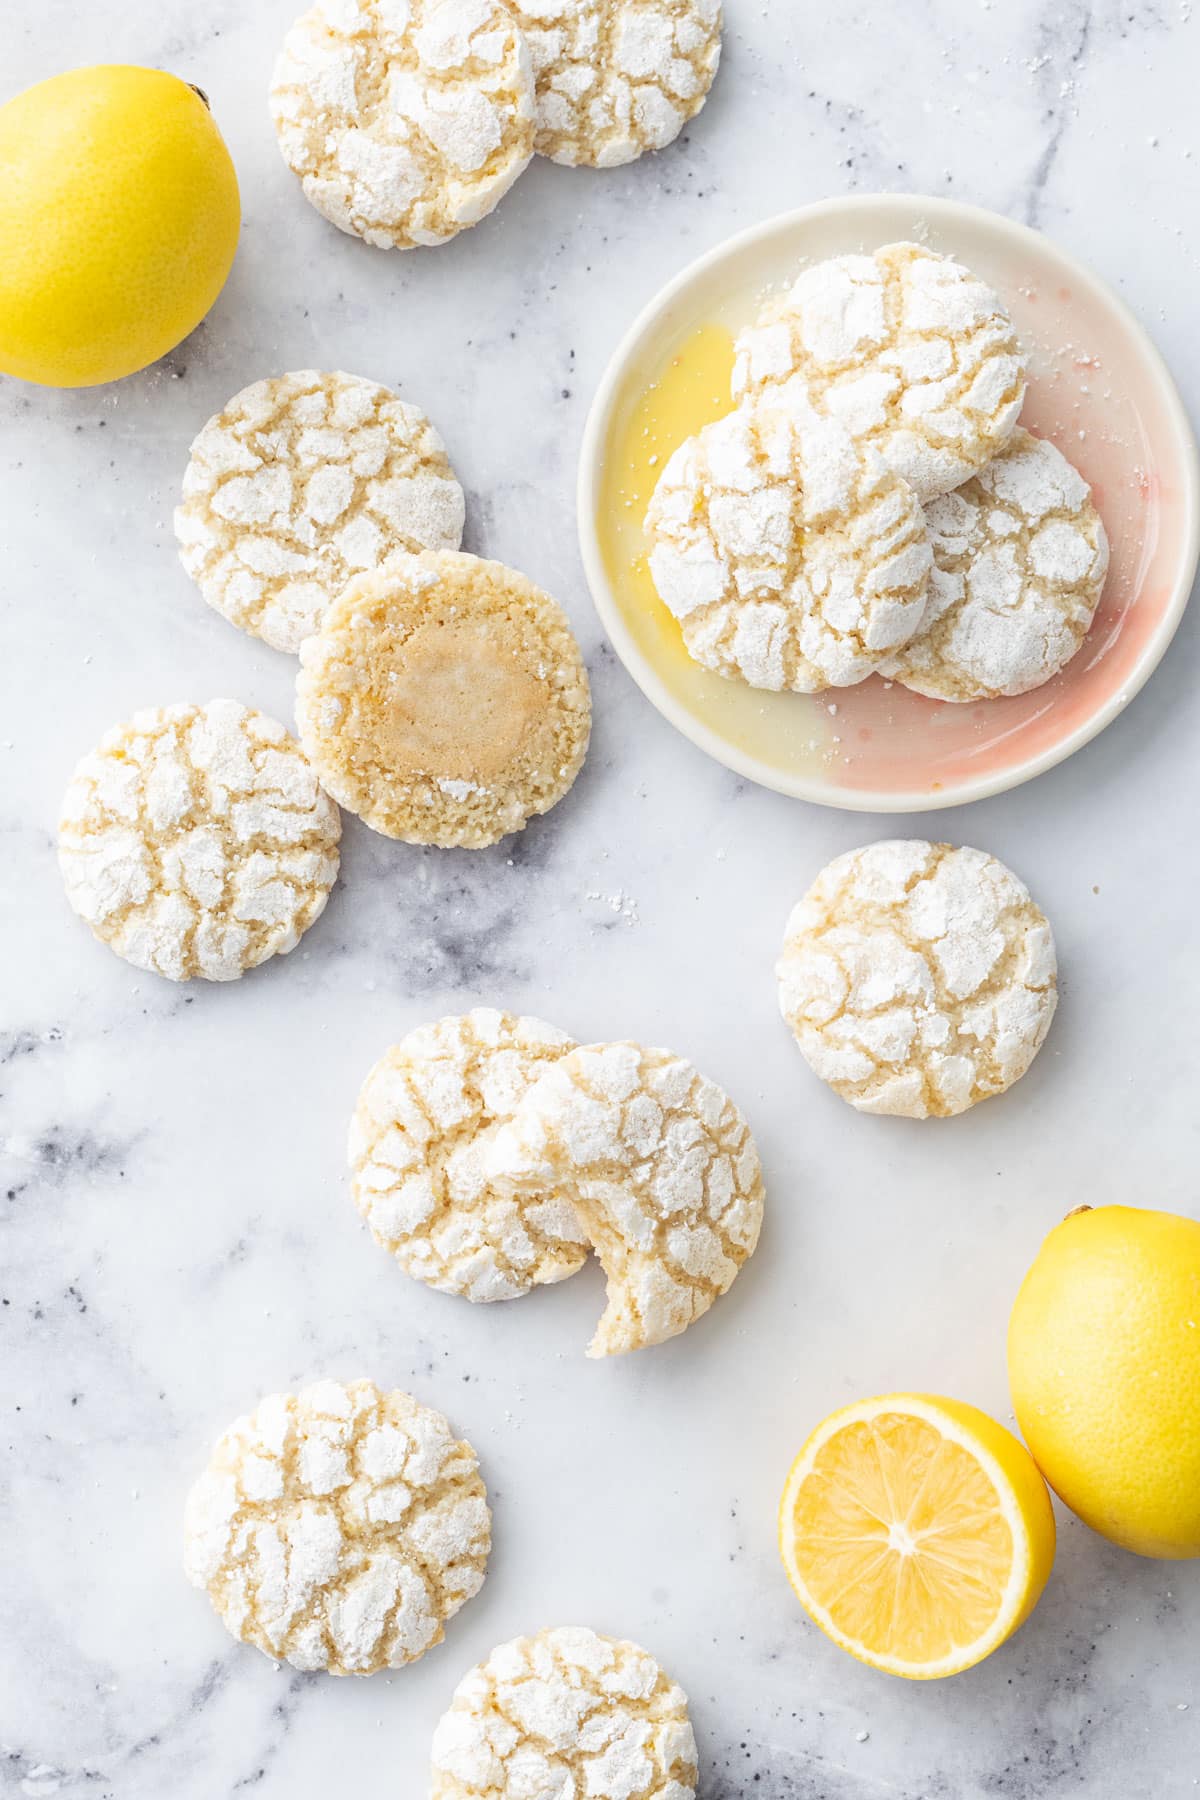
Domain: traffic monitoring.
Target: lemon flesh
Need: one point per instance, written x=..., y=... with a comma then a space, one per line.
x=916, y=1532
x=119, y=219
x=1104, y=1368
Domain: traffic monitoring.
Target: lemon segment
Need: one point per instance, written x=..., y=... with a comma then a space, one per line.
x=1104, y=1369
x=119, y=217
x=916, y=1532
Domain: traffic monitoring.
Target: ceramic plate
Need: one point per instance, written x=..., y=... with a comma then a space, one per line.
x=1097, y=388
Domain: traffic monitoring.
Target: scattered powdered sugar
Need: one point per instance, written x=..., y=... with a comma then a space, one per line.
x=299, y=483
x=616, y=78
x=566, y=1715
x=918, y=978
x=1019, y=561
x=792, y=557
x=416, y=1146
x=663, y=1172
x=408, y=122
x=622, y=904
x=339, y=1528
x=195, y=841
x=910, y=351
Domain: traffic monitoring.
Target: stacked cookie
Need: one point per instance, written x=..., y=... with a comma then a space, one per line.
x=441, y=697
x=871, y=504
x=406, y=124
x=341, y=1528
x=490, y=1154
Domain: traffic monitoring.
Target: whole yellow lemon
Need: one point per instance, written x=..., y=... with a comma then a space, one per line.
x=1104, y=1367
x=119, y=220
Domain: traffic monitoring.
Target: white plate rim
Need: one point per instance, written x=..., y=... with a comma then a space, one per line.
x=945, y=213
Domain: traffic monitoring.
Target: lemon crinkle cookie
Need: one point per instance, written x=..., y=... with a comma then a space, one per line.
x=662, y=1170
x=195, y=841
x=416, y=1142
x=918, y=978
x=792, y=557
x=339, y=1528
x=911, y=351
x=444, y=700
x=615, y=78
x=563, y=1715
x=302, y=481
x=1019, y=561
x=406, y=120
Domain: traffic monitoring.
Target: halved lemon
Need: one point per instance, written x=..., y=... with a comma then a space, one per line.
x=916, y=1532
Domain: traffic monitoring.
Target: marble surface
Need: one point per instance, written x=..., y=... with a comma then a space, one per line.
x=176, y=1236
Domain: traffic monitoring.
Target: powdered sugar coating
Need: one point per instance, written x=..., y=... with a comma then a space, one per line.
x=444, y=700
x=918, y=978
x=615, y=78
x=908, y=349
x=566, y=1715
x=195, y=841
x=416, y=1145
x=791, y=556
x=339, y=1528
x=302, y=481
x=1019, y=561
x=663, y=1173
x=406, y=120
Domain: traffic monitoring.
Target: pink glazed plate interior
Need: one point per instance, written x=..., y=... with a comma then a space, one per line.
x=1097, y=388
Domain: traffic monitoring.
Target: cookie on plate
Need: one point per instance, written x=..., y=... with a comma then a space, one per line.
x=339, y=1528
x=195, y=841
x=302, y=481
x=917, y=978
x=405, y=123
x=662, y=1171
x=791, y=556
x=444, y=700
x=1019, y=560
x=615, y=78
x=914, y=354
x=416, y=1142
x=566, y=1713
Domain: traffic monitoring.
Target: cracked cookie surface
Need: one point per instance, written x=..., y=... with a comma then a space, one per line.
x=444, y=700
x=662, y=1170
x=302, y=481
x=918, y=978
x=416, y=1146
x=616, y=78
x=339, y=1528
x=566, y=1715
x=406, y=120
x=908, y=349
x=195, y=841
x=791, y=556
x=1019, y=561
